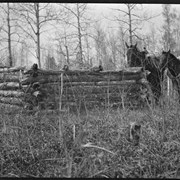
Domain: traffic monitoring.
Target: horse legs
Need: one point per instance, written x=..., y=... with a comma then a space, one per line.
x=155, y=87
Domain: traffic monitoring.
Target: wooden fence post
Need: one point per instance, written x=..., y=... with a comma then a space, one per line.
x=61, y=92
x=168, y=86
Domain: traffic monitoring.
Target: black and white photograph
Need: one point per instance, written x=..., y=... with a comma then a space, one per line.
x=89, y=90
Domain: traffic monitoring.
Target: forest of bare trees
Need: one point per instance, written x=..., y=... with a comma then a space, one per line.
x=55, y=34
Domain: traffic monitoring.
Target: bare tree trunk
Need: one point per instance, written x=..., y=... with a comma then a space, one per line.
x=130, y=24
x=38, y=34
x=67, y=54
x=79, y=36
x=67, y=51
x=9, y=35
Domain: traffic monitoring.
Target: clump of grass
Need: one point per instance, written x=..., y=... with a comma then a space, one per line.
x=93, y=144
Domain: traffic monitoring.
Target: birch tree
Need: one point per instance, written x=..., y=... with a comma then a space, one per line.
x=129, y=19
x=9, y=33
x=77, y=19
x=103, y=50
x=132, y=18
x=33, y=19
x=169, y=17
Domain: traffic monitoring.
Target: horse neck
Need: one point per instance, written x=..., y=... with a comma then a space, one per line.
x=165, y=63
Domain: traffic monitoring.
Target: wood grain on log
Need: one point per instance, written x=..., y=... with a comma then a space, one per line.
x=83, y=78
x=11, y=100
x=5, y=93
x=9, y=86
x=7, y=77
x=11, y=106
x=101, y=83
x=81, y=72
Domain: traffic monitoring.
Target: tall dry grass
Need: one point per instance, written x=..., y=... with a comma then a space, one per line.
x=90, y=144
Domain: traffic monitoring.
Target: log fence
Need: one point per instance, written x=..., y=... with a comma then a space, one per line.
x=64, y=89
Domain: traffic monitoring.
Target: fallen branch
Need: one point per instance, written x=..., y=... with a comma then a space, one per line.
x=94, y=146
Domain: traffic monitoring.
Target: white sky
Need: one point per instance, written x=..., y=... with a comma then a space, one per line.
x=104, y=9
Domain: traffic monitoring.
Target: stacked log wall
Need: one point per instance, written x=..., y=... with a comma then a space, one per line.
x=10, y=85
x=71, y=88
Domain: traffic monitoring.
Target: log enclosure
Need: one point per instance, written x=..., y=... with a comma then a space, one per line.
x=72, y=89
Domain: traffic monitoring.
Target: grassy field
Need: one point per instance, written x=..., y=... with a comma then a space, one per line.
x=90, y=144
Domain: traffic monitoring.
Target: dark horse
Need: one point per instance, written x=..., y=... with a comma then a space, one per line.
x=168, y=60
x=137, y=58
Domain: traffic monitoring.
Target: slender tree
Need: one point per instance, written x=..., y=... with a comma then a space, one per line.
x=9, y=33
x=34, y=18
x=169, y=17
x=77, y=20
x=132, y=20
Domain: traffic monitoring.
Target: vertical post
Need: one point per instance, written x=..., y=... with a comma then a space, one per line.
x=37, y=9
x=60, y=107
x=20, y=77
x=168, y=86
x=9, y=35
x=61, y=92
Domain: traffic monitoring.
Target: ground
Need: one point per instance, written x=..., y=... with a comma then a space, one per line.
x=90, y=144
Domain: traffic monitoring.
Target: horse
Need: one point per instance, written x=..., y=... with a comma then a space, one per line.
x=137, y=58
x=134, y=56
x=172, y=63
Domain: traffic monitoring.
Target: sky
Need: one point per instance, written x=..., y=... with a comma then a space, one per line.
x=104, y=10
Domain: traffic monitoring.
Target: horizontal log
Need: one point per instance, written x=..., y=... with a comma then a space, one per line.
x=4, y=66
x=96, y=95
x=90, y=103
x=5, y=93
x=11, y=69
x=81, y=72
x=100, y=83
x=103, y=83
x=8, y=106
x=96, y=89
x=9, y=86
x=11, y=100
x=43, y=72
x=85, y=78
x=98, y=98
x=102, y=73
x=4, y=77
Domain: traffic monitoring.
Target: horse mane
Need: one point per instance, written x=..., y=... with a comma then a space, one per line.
x=172, y=56
x=171, y=62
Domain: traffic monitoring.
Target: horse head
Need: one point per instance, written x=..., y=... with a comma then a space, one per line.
x=134, y=56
